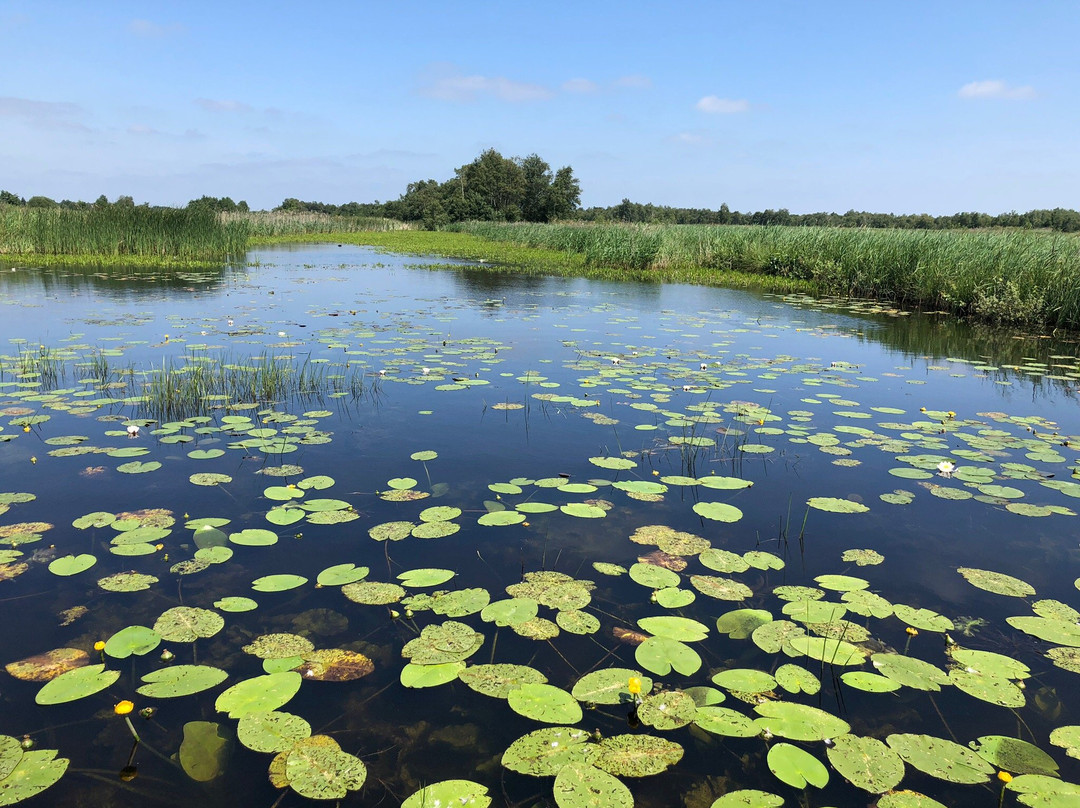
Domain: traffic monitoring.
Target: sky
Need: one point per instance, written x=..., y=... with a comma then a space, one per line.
x=886, y=106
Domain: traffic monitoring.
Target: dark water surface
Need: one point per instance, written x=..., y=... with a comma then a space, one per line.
x=508, y=377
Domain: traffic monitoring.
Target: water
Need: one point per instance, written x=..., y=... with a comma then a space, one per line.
x=515, y=377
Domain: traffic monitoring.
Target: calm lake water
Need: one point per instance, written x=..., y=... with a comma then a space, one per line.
x=559, y=418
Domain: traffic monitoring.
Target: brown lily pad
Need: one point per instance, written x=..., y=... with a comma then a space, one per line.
x=46, y=667
x=661, y=559
x=13, y=570
x=7, y=531
x=335, y=665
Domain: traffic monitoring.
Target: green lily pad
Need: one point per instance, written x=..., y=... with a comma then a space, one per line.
x=127, y=582
x=1013, y=755
x=581, y=786
x=721, y=588
x=910, y=672
x=636, y=755
x=669, y=709
x=279, y=646
x=76, y=684
x=661, y=655
x=449, y=792
x=259, y=694
x=682, y=629
x=653, y=576
x=940, y=758
x=341, y=574
x=796, y=767
x=72, y=564
x=418, y=676
x=725, y=721
x=866, y=763
x=922, y=619
x=181, y=680
x=323, y=773
x=869, y=682
x=272, y=731
x=718, y=511
x=425, y=577
x=1068, y=738
x=799, y=722
x=997, y=582
x=187, y=624
x=797, y=679
x=373, y=593
x=609, y=686
x=543, y=702
x=740, y=623
x=826, y=649
x=748, y=798
x=236, y=604
x=447, y=642
x=545, y=752
x=278, y=583
x=497, y=680
x=745, y=680
x=836, y=505
x=138, y=640
x=31, y=772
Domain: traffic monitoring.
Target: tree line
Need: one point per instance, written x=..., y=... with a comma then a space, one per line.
x=1060, y=219
x=503, y=189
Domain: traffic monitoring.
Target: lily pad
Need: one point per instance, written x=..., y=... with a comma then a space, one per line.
x=545, y=752
x=204, y=752
x=580, y=786
x=187, y=624
x=76, y=684
x=272, y=731
x=940, y=758
x=497, y=680
x=181, y=680
x=866, y=763
x=449, y=792
x=636, y=755
x=259, y=694
x=997, y=582
x=544, y=702
x=796, y=767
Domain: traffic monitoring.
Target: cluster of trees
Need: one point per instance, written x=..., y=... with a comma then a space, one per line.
x=202, y=203
x=492, y=188
x=1060, y=219
x=293, y=205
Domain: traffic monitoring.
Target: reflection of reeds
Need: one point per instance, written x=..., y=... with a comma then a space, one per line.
x=196, y=384
x=1011, y=276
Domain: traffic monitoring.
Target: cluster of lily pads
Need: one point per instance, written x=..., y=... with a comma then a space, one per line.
x=686, y=641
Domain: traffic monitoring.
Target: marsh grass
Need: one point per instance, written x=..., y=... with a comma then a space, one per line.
x=1002, y=276
x=197, y=383
x=275, y=224
x=118, y=232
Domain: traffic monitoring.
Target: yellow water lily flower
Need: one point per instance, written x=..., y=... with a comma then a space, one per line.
x=1004, y=777
x=99, y=645
x=123, y=707
x=634, y=686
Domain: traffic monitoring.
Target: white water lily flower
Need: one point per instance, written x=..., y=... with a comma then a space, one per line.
x=945, y=468
x=133, y=431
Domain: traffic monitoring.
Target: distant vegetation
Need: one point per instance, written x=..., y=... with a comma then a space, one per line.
x=1011, y=276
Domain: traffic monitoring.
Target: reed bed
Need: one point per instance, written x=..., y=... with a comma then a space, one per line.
x=1002, y=276
x=274, y=224
x=170, y=234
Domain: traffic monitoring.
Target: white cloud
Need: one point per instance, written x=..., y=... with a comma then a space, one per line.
x=146, y=28
x=579, y=86
x=715, y=105
x=446, y=83
x=634, y=82
x=993, y=88
x=142, y=129
x=222, y=105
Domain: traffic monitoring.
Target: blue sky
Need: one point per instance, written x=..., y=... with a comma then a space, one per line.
x=903, y=107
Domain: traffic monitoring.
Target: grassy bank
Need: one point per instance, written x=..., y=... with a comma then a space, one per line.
x=116, y=233
x=1009, y=276
x=275, y=224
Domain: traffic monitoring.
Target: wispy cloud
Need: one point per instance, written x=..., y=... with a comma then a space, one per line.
x=633, y=82
x=689, y=139
x=580, y=86
x=223, y=105
x=154, y=30
x=142, y=129
x=43, y=114
x=447, y=83
x=714, y=105
x=993, y=88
